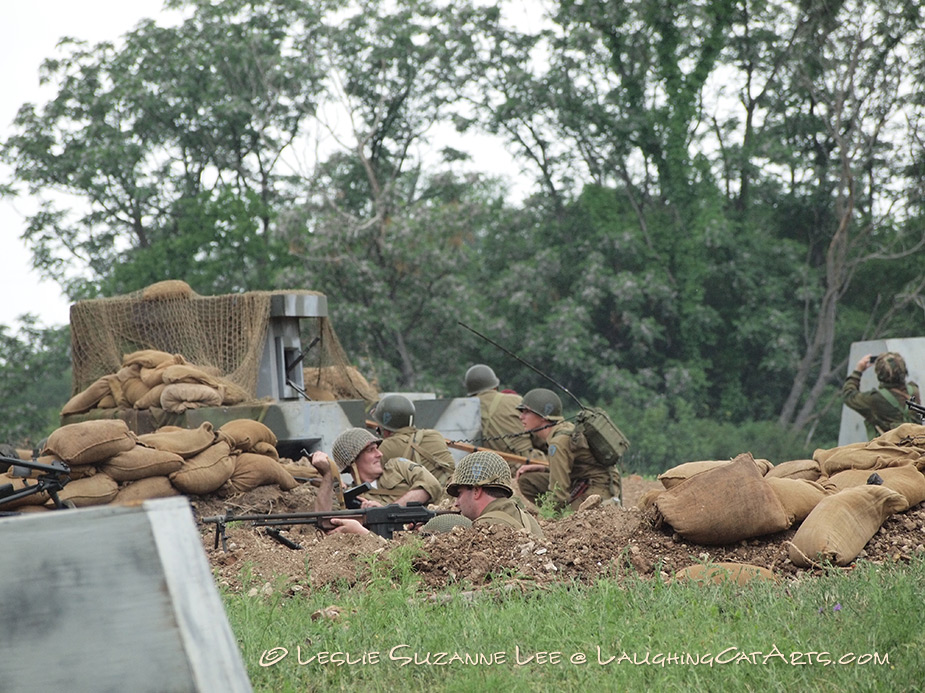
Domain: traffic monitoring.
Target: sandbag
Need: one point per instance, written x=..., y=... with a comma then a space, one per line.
x=148, y=358
x=180, y=397
x=98, y=489
x=252, y=470
x=152, y=398
x=205, y=472
x=795, y=469
x=144, y=489
x=189, y=374
x=683, y=472
x=89, y=442
x=718, y=573
x=876, y=454
x=723, y=505
x=169, y=289
x=88, y=398
x=141, y=462
x=183, y=441
x=907, y=480
x=840, y=526
x=267, y=449
x=798, y=496
x=244, y=434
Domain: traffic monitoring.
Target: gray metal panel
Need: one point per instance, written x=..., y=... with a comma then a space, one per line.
x=298, y=306
x=912, y=350
x=112, y=599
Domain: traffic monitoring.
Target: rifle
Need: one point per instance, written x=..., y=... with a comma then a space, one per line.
x=508, y=456
x=52, y=478
x=384, y=521
x=914, y=406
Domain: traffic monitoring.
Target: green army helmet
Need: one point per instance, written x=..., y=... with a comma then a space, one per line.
x=445, y=522
x=349, y=444
x=890, y=368
x=393, y=412
x=483, y=468
x=543, y=402
x=480, y=378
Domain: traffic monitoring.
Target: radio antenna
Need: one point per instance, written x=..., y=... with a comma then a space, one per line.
x=530, y=366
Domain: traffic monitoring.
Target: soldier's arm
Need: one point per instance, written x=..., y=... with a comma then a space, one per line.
x=560, y=469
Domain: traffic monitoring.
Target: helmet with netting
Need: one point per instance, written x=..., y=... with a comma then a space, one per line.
x=445, y=522
x=483, y=468
x=393, y=412
x=890, y=368
x=543, y=402
x=349, y=444
x=480, y=378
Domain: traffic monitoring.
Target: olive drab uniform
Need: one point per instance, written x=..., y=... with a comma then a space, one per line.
x=504, y=511
x=501, y=427
x=883, y=408
x=424, y=446
x=573, y=473
x=400, y=476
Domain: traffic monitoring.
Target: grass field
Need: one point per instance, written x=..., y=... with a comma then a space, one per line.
x=860, y=630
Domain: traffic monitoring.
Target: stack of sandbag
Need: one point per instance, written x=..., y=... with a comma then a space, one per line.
x=149, y=379
x=727, y=502
x=256, y=461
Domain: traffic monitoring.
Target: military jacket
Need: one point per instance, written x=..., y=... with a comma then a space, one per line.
x=400, y=476
x=571, y=462
x=879, y=413
x=424, y=446
x=504, y=511
x=501, y=426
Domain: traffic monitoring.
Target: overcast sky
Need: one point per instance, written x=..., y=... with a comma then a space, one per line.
x=28, y=34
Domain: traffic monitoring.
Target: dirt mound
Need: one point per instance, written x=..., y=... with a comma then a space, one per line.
x=587, y=545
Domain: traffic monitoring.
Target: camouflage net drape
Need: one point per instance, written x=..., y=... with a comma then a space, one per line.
x=225, y=332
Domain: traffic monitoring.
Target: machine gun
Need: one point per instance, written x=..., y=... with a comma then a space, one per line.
x=916, y=408
x=384, y=521
x=52, y=478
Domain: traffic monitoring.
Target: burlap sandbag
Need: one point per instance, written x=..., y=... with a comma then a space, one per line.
x=647, y=499
x=108, y=402
x=907, y=480
x=141, y=462
x=795, y=469
x=189, y=374
x=876, y=454
x=244, y=434
x=234, y=393
x=723, y=505
x=148, y=358
x=89, y=398
x=301, y=471
x=343, y=383
x=267, y=449
x=184, y=442
x=840, y=526
x=798, y=496
x=18, y=485
x=98, y=489
x=180, y=397
x=169, y=289
x=683, y=472
x=252, y=470
x=718, y=573
x=152, y=398
x=143, y=489
x=89, y=442
x=205, y=472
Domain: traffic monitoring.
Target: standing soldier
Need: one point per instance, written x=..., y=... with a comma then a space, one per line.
x=573, y=473
x=885, y=407
x=501, y=427
x=394, y=416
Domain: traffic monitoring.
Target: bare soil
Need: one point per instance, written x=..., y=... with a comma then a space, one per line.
x=606, y=541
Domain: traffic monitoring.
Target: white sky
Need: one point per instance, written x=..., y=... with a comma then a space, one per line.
x=28, y=34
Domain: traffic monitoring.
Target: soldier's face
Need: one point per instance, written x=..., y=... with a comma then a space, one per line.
x=466, y=503
x=531, y=420
x=369, y=463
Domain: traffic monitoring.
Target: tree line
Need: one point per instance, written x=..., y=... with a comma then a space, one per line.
x=721, y=195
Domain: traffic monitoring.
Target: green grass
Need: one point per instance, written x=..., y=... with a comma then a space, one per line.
x=394, y=636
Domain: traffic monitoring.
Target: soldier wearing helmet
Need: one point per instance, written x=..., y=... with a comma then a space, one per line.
x=394, y=417
x=356, y=452
x=572, y=473
x=885, y=407
x=483, y=487
x=501, y=427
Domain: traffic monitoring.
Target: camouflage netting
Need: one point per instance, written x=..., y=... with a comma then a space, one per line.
x=221, y=333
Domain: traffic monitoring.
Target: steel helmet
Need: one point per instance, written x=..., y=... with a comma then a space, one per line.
x=542, y=402
x=393, y=412
x=890, y=368
x=349, y=444
x=483, y=468
x=480, y=378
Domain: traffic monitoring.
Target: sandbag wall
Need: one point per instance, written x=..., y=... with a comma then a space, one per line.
x=110, y=464
x=838, y=499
